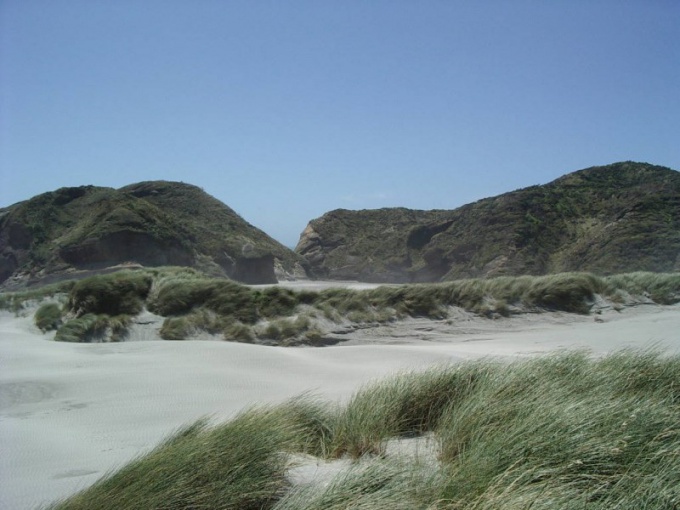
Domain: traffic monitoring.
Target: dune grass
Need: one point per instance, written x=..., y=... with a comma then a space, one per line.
x=48, y=317
x=123, y=292
x=661, y=288
x=194, y=303
x=560, y=431
x=16, y=302
x=94, y=328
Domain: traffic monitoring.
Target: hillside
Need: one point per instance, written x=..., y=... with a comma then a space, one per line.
x=78, y=230
x=610, y=219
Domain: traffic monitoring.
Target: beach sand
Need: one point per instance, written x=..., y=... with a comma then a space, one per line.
x=69, y=413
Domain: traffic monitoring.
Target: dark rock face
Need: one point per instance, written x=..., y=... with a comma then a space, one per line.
x=255, y=270
x=125, y=246
x=150, y=223
x=618, y=218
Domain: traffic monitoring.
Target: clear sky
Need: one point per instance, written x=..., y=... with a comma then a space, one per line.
x=287, y=109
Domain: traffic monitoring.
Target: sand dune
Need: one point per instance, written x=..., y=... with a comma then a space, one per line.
x=71, y=412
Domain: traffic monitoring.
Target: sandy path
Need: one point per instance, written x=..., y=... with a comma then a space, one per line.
x=71, y=412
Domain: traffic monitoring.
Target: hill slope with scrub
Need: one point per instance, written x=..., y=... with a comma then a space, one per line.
x=152, y=223
x=610, y=219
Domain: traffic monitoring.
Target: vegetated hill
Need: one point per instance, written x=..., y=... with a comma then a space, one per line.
x=154, y=223
x=610, y=219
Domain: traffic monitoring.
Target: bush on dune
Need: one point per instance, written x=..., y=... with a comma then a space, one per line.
x=94, y=328
x=48, y=317
x=112, y=294
x=192, y=302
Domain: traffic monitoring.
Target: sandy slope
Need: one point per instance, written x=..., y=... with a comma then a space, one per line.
x=71, y=412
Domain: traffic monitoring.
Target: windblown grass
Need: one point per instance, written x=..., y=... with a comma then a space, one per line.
x=193, y=302
x=661, y=288
x=567, y=432
x=94, y=328
x=123, y=292
x=16, y=301
x=561, y=431
x=239, y=465
x=408, y=404
x=48, y=317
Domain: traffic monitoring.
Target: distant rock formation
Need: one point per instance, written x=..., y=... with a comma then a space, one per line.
x=156, y=223
x=617, y=218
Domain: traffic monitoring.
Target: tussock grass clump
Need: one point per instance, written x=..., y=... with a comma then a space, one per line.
x=568, y=292
x=561, y=431
x=239, y=332
x=565, y=429
x=48, y=317
x=238, y=465
x=112, y=294
x=86, y=328
x=201, y=319
x=661, y=288
x=223, y=297
x=286, y=329
x=94, y=328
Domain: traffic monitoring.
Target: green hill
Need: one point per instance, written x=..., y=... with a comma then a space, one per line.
x=618, y=218
x=85, y=229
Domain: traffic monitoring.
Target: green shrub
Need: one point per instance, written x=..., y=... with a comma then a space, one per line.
x=276, y=302
x=569, y=292
x=175, y=328
x=91, y=327
x=48, y=317
x=123, y=292
x=85, y=328
x=239, y=332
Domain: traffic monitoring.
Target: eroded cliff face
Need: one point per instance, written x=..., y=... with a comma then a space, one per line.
x=368, y=245
x=155, y=223
x=617, y=218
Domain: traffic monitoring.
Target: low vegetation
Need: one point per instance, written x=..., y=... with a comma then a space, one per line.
x=193, y=303
x=19, y=302
x=562, y=431
x=48, y=317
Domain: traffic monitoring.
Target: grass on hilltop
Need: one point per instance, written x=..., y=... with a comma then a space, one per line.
x=193, y=303
x=561, y=431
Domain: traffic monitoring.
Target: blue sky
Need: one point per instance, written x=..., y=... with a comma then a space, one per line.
x=287, y=109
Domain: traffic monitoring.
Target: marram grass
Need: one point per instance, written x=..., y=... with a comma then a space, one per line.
x=192, y=302
x=560, y=431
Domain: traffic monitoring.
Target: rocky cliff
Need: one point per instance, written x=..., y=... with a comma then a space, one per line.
x=616, y=218
x=156, y=223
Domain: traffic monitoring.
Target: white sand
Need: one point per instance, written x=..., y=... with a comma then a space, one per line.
x=71, y=412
